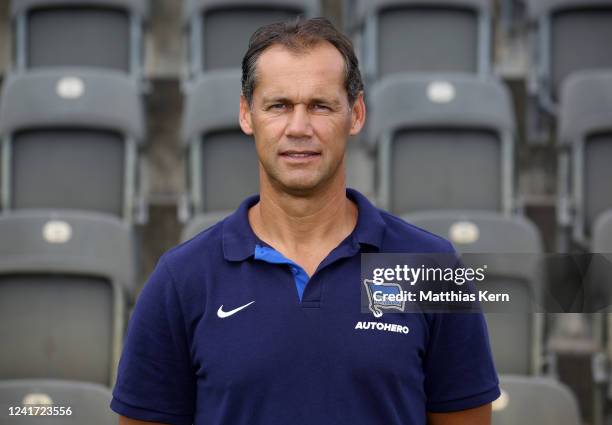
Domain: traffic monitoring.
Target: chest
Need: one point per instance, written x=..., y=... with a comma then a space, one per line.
x=255, y=331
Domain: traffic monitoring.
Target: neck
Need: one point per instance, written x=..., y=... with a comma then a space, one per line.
x=296, y=223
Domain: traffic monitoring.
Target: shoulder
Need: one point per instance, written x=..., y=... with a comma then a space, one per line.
x=405, y=237
x=178, y=281
x=194, y=257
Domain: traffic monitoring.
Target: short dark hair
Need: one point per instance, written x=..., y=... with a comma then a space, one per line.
x=298, y=36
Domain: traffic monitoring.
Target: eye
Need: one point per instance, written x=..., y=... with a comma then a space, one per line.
x=320, y=107
x=277, y=107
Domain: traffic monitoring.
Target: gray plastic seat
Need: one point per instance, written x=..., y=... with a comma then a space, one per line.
x=202, y=222
x=570, y=36
x=600, y=272
x=88, y=402
x=360, y=164
x=80, y=33
x=216, y=146
x=585, y=129
x=211, y=24
x=70, y=140
x=458, y=35
x=65, y=279
x=510, y=247
x=443, y=142
x=602, y=233
x=530, y=400
x=600, y=279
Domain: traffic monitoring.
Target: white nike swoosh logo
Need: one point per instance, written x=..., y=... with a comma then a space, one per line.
x=223, y=314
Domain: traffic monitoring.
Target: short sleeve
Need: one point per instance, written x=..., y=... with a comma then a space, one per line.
x=459, y=369
x=155, y=379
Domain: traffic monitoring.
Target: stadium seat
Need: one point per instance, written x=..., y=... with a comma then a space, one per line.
x=202, y=222
x=216, y=146
x=602, y=233
x=70, y=141
x=80, y=33
x=65, y=281
x=530, y=401
x=585, y=135
x=88, y=402
x=600, y=277
x=211, y=24
x=570, y=36
x=509, y=246
x=443, y=142
x=359, y=163
x=458, y=35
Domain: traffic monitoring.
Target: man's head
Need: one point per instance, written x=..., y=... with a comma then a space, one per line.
x=302, y=96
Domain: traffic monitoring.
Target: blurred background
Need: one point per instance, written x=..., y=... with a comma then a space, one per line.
x=489, y=123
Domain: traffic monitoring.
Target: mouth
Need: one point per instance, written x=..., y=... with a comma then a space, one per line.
x=294, y=155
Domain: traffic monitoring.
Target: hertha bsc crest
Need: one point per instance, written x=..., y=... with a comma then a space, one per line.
x=378, y=296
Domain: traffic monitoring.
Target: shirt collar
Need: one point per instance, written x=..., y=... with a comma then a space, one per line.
x=239, y=240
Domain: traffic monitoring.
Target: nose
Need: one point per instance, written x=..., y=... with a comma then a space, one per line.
x=299, y=124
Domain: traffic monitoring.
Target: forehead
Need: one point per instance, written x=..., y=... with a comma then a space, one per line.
x=317, y=71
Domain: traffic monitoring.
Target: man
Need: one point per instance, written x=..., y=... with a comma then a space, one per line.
x=254, y=320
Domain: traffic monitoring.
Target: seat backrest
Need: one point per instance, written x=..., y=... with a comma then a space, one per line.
x=571, y=37
x=458, y=34
x=88, y=403
x=599, y=273
x=64, y=281
x=69, y=137
x=360, y=165
x=585, y=127
x=509, y=246
x=83, y=33
x=216, y=144
x=527, y=400
x=230, y=24
x=602, y=234
x=443, y=142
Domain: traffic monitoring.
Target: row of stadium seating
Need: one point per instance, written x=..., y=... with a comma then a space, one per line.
x=522, y=400
x=567, y=35
x=457, y=133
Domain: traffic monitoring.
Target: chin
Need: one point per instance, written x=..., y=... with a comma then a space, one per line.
x=300, y=186
x=299, y=182
x=305, y=187
x=300, y=189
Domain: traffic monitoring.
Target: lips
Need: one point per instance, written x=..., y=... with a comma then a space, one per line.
x=300, y=154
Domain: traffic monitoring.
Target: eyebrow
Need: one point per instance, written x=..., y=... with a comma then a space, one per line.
x=286, y=100
x=276, y=100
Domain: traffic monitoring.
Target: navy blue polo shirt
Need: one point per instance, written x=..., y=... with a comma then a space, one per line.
x=221, y=337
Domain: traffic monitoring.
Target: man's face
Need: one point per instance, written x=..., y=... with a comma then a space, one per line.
x=300, y=117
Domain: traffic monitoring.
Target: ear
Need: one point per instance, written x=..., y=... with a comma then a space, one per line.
x=358, y=115
x=245, y=116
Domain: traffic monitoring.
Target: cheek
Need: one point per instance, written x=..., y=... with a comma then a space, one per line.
x=267, y=136
x=264, y=148
x=332, y=133
x=270, y=128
